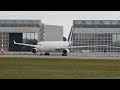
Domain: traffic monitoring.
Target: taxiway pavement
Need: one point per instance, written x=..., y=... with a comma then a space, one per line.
x=78, y=55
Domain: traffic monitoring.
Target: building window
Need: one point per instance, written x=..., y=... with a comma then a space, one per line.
x=30, y=38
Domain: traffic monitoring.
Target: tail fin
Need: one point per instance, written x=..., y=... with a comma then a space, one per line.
x=70, y=37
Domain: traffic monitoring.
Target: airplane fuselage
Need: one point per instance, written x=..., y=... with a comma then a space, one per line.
x=51, y=45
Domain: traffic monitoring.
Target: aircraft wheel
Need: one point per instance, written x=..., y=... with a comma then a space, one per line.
x=47, y=54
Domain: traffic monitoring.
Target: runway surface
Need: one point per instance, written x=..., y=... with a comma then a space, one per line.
x=108, y=56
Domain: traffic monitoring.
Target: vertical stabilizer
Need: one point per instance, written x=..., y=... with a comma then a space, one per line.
x=70, y=37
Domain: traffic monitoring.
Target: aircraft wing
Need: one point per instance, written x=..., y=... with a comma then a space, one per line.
x=114, y=46
x=88, y=46
x=60, y=48
x=24, y=44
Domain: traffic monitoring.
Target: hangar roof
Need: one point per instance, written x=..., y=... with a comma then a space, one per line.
x=96, y=23
x=20, y=23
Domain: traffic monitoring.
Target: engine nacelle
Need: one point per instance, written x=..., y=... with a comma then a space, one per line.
x=66, y=51
x=34, y=50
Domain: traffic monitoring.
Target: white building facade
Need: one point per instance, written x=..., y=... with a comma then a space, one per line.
x=96, y=32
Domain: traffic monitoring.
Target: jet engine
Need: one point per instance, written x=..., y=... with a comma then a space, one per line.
x=34, y=50
x=65, y=52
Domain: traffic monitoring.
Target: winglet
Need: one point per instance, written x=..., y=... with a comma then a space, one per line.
x=14, y=41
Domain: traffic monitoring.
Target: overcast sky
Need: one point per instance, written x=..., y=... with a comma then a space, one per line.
x=63, y=18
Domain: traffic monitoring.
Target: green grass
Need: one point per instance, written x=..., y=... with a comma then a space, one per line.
x=38, y=68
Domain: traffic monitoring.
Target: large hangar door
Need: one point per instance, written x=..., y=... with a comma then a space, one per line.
x=18, y=38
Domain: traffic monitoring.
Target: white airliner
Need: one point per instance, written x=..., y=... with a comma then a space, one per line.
x=59, y=46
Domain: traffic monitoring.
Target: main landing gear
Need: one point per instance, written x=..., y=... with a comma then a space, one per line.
x=47, y=53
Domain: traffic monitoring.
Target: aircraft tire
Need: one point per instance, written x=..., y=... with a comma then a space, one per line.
x=47, y=54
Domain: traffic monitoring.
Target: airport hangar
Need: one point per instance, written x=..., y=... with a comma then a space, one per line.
x=86, y=32
x=96, y=32
x=27, y=31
